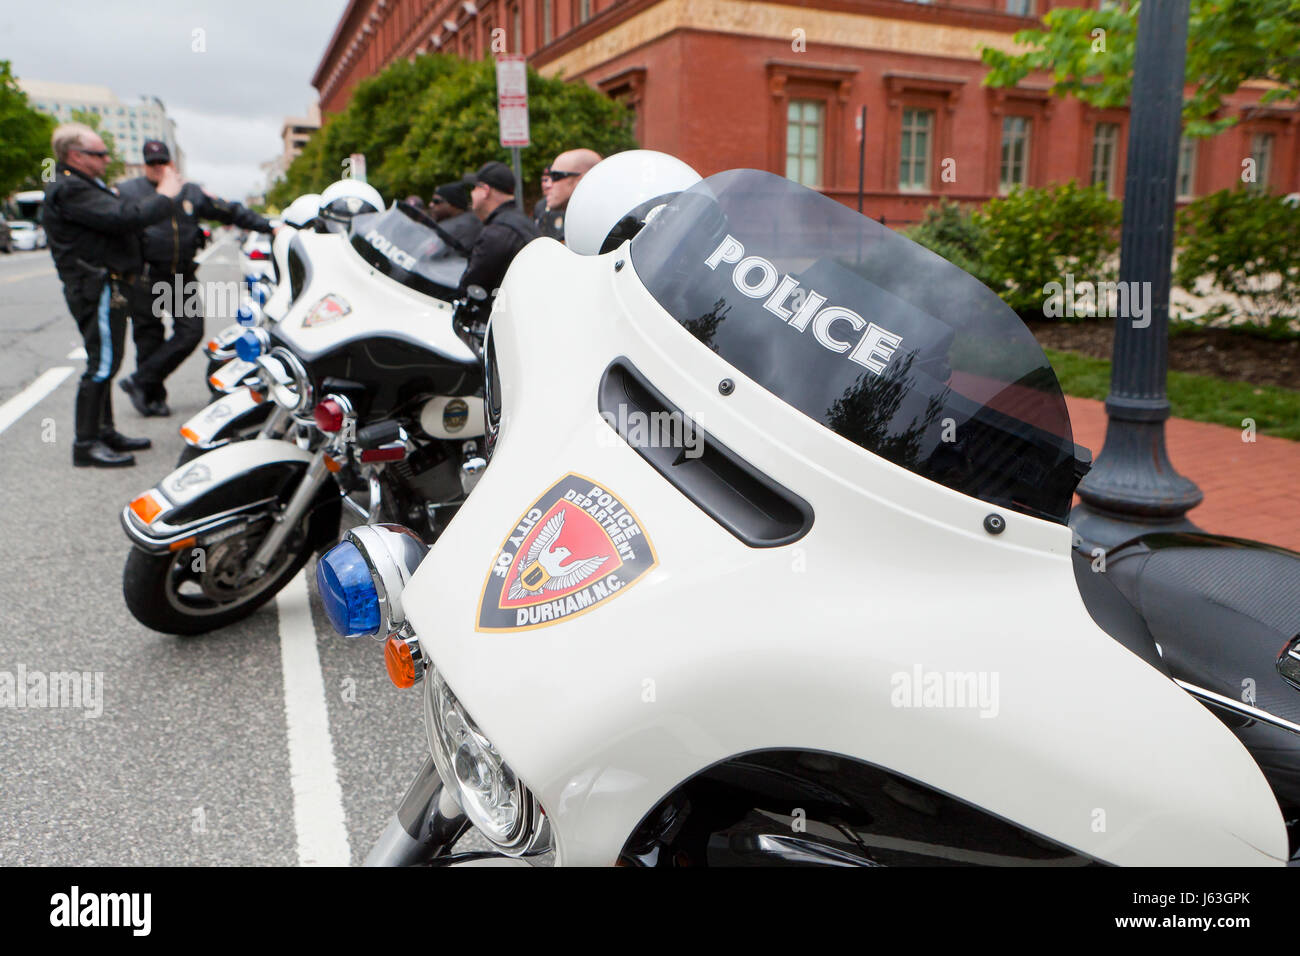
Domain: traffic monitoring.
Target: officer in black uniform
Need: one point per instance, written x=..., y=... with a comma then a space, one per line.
x=505, y=229
x=449, y=207
x=169, y=248
x=94, y=238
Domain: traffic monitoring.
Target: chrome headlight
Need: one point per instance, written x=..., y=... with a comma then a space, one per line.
x=288, y=381
x=493, y=798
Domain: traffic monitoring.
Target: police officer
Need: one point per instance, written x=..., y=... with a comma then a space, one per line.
x=559, y=180
x=505, y=229
x=93, y=236
x=449, y=208
x=169, y=280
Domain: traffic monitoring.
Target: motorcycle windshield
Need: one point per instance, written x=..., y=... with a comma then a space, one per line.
x=880, y=340
x=404, y=245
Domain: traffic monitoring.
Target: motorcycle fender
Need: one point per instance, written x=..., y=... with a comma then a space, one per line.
x=215, y=492
x=215, y=424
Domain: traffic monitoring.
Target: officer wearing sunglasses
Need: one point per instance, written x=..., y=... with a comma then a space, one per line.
x=94, y=237
x=558, y=182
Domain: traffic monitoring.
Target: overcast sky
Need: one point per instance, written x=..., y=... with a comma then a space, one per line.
x=228, y=102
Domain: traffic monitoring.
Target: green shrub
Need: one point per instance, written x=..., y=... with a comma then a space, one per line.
x=950, y=230
x=1033, y=237
x=1248, y=244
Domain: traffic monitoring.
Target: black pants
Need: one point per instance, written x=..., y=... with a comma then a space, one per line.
x=179, y=296
x=101, y=316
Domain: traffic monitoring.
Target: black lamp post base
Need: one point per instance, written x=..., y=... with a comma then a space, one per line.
x=1097, y=528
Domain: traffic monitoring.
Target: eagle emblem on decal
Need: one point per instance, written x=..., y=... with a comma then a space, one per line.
x=329, y=309
x=577, y=546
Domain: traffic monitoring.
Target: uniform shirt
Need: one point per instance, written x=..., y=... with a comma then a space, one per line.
x=504, y=233
x=549, y=222
x=464, y=228
x=171, y=244
x=91, y=229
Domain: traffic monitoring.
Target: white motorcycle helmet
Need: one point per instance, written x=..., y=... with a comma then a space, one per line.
x=614, y=200
x=302, y=210
x=347, y=198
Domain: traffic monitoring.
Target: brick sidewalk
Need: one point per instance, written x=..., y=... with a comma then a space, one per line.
x=1252, y=489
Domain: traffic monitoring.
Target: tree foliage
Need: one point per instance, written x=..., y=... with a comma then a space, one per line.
x=24, y=136
x=1248, y=243
x=116, y=165
x=428, y=122
x=1089, y=53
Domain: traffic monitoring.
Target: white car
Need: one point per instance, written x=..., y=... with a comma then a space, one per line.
x=26, y=235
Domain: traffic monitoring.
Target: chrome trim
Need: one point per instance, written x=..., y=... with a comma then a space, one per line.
x=288, y=519
x=392, y=553
x=1237, y=707
x=157, y=538
x=289, y=383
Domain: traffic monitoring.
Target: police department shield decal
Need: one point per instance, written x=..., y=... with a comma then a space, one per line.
x=575, y=548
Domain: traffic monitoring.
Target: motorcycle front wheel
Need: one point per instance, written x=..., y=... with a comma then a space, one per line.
x=196, y=590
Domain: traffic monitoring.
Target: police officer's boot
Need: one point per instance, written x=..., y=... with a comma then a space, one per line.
x=89, y=449
x=111, y=436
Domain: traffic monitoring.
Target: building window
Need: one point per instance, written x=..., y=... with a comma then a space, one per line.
x=1021, y=8
x=517, y=29
x=584, y=11
x=1186, y=168
x=1105, y=145
x=1013, y=170
x=914, y=151
x=1261, y=151
x=548, y=8
x=804, y=139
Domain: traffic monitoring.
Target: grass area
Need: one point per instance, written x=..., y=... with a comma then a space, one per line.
x=1276, y=411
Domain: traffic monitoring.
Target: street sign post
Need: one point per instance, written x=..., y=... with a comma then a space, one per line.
x=512, y=113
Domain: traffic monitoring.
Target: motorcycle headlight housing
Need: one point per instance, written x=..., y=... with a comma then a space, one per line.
x=493, y=798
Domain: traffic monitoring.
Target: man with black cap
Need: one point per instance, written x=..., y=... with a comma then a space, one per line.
x=505, y=229
x=169, y=248
x=94, y=238
x=449, y=207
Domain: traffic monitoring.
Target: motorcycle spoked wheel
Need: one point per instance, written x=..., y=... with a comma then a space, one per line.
x=166, y=593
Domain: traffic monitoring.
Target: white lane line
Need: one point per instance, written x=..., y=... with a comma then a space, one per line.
x=26, y=275
x=207, y=253
x=317, y=796
x=26, y=400
x=78, y=353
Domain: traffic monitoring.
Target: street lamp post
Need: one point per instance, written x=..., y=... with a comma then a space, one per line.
x=1133, y=488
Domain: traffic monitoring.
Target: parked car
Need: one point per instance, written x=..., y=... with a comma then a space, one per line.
x=26, y=235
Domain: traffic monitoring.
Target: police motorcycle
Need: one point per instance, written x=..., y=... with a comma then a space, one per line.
x=235, y=412
x=835, y=616
x=375, y=392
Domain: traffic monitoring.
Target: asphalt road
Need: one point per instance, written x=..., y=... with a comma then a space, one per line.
x=190, y=760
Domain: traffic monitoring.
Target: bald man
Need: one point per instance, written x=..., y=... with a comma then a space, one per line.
x=558, y=182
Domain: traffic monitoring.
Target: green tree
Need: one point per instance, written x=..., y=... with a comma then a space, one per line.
x=24, y=136
x=427, y=122
x=1089, y=53
x=116, y=166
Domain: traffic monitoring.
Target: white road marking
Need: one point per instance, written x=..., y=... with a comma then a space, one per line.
x=207, y=253
x=78, y=353
x=26, y=275
x=26, y=400
x=317, y=795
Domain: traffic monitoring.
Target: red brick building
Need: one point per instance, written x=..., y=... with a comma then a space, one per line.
x=780, y=86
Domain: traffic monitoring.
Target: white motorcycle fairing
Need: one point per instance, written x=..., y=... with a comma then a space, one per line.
x=348, y=299
x=721, y=649
x=281, y=295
